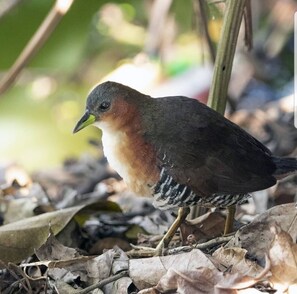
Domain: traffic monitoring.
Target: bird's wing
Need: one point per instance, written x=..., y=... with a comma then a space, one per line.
x=203, y=150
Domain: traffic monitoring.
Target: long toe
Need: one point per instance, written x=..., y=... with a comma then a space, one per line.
x=143, y=251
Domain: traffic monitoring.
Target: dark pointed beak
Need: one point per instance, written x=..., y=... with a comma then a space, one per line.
x=85, y=121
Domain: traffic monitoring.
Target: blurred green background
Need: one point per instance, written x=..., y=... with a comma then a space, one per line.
x=38, y=114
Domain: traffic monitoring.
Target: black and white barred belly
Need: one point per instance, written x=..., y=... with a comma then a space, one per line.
x=169, y=194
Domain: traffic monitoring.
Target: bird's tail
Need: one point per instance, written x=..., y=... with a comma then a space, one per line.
x=284, y=166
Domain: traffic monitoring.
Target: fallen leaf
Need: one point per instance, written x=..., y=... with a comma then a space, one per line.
x=120, y=286
x=146, y=272
x=89, y=269
x=201, y=281
x=52, y=249
x=283, y=259
x=235, y=259
x=256, y=237
x=19, y=239
x=108, y=243
x=205, y=227
x=22, y=206
x=197, y=281
x=63, y=287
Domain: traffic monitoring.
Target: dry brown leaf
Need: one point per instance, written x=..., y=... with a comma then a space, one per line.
x=23, y=204
x=52, y=249
x=256, y=237
x=108, y=243
x=63, y=287
x=147, y=272
x=89, y=269
x=201, y=281
x=197, y=281
x=235, y=259
x=235, y=282
x=283, y=259
x=119, y=286
x=207, y=226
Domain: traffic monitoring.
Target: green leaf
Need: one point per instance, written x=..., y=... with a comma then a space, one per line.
x=18, y=240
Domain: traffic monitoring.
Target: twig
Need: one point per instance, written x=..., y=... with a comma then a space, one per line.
x=200, y=6
x=157, y=21
x=248, y=28
x=103, y=282
x=149, y=252
x=225, y=54
x=37, y=41
x=25, y=281
x=217, y=98
x=214, y=242
x=210, y=243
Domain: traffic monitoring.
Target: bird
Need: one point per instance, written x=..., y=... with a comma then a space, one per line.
x=180, y=152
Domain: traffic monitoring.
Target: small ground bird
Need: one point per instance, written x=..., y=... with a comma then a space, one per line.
x=180, y=151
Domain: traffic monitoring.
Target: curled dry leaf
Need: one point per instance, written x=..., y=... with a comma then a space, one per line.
x=257, y=238
x=235, y=259
x=89, y=269
x=283, y=259
x=205, y=227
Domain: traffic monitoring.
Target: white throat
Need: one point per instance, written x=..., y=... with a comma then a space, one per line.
x=112, y=141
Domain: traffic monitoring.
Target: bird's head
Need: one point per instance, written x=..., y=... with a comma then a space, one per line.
x=108, y=104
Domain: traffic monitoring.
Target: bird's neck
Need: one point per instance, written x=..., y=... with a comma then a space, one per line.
x=130, y=155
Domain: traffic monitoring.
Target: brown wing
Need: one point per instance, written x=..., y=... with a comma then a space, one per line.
x=200, y=148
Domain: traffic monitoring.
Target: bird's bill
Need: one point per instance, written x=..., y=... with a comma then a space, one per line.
x=85, y=121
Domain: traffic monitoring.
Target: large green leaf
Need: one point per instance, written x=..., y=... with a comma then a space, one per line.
x=18, y=240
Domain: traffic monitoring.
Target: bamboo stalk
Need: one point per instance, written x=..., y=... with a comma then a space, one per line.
x=225, y=54
x=217, y=98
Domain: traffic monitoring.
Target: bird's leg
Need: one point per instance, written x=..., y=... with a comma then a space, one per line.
x=181, y=216
x=229, y=220
x=146, y=251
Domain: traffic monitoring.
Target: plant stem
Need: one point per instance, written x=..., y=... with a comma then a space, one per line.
x=223, y=63
x=225, y=54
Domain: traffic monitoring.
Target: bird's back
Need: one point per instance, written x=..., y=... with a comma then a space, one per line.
x=199, y=148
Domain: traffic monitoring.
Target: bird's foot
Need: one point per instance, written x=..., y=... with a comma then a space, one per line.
x=142, y=251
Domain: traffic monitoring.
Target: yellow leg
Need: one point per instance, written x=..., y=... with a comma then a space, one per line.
x=230, y=219
x=181, y=216
x=147, y=251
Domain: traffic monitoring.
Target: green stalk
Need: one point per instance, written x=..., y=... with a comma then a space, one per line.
x=223, y=64
x=225, y=54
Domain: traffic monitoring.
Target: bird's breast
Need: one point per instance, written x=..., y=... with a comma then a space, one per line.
x=132, y=158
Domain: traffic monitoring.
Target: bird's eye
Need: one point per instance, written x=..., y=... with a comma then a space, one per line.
x=104, y=105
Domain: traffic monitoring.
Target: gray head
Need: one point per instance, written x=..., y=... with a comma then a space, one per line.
x=108, y=102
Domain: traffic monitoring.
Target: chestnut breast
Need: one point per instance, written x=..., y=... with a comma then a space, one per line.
x=128, y=152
